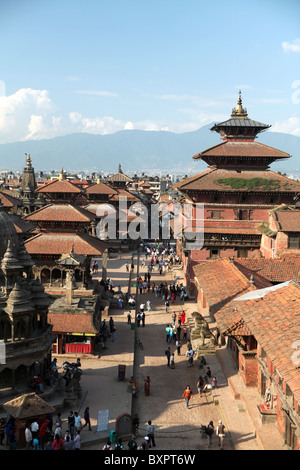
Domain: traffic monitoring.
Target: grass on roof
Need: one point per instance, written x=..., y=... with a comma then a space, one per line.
x=252, y=183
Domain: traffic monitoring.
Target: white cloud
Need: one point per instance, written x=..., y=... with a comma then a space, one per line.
x=30, y=114
x=293, y=46
x=16, y=113
x=289, y=126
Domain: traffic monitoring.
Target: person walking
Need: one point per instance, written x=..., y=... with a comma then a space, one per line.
x=221, y=434
x=150, y=434
x=187, y=394
x=190, y=354
x=178, y=346
x=210, y=429
x=168, y=329
x=172, y=358
x=167, y=306
x=86, y=417
x=147, y=386
x=129, y=318
x=71, y=424
x=77, y=421
x=168, y=354
x=200, y=384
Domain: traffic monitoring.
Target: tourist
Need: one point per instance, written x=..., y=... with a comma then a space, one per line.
x=58, y=443
x=107, y=446
x=190, y=354
x=71, y=424
x=119, y=445
x=34, y=428
x=58, y=421
x=178, y=346
x=86, y=417
x=147, y=386
x=200, y=384
x=132, y=445
x=28, y=437
x=43, y=433
x=220, y=433
x=76, y=442
x=187, y=394
x=49, y=446
x=168, y=354
x=168, y=329
x=150, y=434
x=68, y=445
x=36, y=444
x=211, y=386
x=136, y=423
x=209, y=432
x=172, y=365
x=77, y=421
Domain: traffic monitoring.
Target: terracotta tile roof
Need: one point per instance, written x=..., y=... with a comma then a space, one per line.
x=60, y=212
x=123, y=193
x=274, y=320
x=242, y=149
x=221, y=282
x=57, y=243
x=275, y=270
x=118, y=177
x=71, y=323
x=208, y=181
x=59, y=186
x=28, y=406
x=100, y=188
x=287, y=220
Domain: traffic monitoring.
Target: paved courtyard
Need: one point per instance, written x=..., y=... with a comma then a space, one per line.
x=177, y=427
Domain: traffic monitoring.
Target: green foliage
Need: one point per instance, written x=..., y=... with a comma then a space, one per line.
x=250, y=184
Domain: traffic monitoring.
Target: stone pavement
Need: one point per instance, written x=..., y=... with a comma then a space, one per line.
x=177, y=427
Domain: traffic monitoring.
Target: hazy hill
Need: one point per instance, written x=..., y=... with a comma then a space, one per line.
x=135, y=150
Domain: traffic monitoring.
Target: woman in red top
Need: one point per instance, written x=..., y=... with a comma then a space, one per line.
x=58, y=443
x=187, y=394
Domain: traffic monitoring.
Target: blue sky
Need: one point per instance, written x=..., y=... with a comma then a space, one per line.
x=104, y=66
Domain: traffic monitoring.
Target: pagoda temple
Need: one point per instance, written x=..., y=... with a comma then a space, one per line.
x=237, y=190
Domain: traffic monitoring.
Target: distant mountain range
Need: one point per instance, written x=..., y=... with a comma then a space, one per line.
x=136, y=150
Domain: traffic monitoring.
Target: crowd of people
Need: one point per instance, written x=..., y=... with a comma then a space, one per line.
x=47, y=434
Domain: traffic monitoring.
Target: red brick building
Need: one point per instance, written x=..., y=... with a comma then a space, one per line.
x=273, y=317
x=260, y=324
x=237, y=191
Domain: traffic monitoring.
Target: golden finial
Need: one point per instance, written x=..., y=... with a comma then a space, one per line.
x=239, y=112
x=61, y=176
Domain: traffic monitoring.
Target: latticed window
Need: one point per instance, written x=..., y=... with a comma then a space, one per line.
x=294, y=241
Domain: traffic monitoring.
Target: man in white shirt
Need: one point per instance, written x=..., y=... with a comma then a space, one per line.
x=34, y=428
x=77, y=421
x=150, y=433
x=28, y=437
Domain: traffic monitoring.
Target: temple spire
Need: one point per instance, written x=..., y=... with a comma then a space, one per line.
x=61, y=176
x=239, y=112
